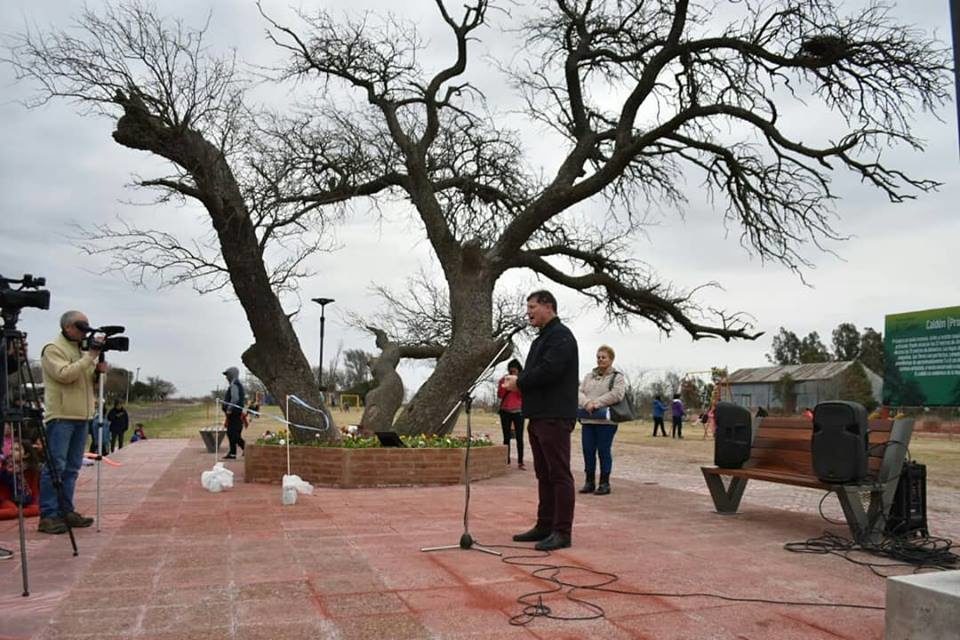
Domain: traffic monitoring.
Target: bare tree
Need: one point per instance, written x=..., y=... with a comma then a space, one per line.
x=418, y=316
x=641, y=94
x=169, y=97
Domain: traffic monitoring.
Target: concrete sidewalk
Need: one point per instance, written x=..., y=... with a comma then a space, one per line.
x=175, y=562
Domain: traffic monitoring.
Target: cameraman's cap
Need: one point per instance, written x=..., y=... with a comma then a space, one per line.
x=231, y=372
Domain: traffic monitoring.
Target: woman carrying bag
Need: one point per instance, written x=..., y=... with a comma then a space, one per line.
x=603, y=387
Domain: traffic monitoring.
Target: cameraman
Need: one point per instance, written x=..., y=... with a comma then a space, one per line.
x=68, y=377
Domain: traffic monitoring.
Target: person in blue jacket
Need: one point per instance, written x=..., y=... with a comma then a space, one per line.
x=658, y=410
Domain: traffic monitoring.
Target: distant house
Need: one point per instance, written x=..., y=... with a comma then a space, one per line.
x=813, y=383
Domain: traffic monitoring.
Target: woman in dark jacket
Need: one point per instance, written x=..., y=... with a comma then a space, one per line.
x=119, y=421
x=511, y=416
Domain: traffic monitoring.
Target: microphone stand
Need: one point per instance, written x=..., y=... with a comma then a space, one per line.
x=466, y=401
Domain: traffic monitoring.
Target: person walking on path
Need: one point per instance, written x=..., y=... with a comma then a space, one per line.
x=603, y=387
x=549, y=384
x=511, y=412
x=233, y=404
x=678, y=412
x=658, y=410
x=119, y=421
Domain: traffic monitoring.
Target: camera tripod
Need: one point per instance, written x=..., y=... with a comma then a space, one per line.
x=466, y=401
x=29, y=411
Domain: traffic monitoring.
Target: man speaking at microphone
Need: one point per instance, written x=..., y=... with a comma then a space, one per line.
x=549, y=383
x=69, y=405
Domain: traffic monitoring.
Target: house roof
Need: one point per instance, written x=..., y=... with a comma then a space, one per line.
x=799, y=372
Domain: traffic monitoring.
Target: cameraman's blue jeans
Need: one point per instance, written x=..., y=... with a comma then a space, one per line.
x=66, y=440
x=597, y=440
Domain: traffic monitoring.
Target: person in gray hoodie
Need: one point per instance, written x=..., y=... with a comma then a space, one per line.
x=233, y=403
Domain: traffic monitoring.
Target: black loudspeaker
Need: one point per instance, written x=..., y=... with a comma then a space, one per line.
x=733, y=435
x=908, y=513
x=839, y=447
x=389, y=439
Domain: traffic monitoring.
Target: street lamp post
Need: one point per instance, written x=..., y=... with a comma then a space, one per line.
x=323, y=302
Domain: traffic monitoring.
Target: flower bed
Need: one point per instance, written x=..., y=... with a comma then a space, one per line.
x=362, y=463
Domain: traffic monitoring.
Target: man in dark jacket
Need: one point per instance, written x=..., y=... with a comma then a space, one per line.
x=549, y=383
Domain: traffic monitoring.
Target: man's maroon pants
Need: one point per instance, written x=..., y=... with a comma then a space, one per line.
x=550, y=441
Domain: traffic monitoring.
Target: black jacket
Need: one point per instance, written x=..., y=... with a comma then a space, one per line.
x=119, y=420
x=551, y=377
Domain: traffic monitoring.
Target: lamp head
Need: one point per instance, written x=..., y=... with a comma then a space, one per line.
x=322, y=301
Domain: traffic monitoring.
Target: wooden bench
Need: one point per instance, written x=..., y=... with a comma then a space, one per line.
x=781, y=453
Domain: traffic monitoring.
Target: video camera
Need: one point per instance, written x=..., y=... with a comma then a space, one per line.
x=103, y=338
x=12, y=300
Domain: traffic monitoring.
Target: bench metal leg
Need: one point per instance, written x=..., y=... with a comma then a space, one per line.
x=853, y=511
x=725, y=499
x=866, y=525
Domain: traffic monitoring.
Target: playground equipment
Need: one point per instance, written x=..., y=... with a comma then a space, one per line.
x=721, y=392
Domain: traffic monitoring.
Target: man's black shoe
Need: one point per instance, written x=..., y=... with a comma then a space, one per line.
x=229, y=456
x=5, y=554
x=534, y=535
x=588, y=487
x=556, y=540
x=603, y=489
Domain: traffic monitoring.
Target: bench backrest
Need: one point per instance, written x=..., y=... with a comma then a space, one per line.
x=783, y=444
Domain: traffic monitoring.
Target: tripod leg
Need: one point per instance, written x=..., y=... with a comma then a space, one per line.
x=19, y=496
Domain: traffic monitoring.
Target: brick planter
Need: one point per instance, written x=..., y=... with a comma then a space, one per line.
x=374, y=467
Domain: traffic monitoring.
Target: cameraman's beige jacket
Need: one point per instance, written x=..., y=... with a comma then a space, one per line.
x=67, y=381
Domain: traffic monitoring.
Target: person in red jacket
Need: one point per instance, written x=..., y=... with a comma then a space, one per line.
x=511, y=416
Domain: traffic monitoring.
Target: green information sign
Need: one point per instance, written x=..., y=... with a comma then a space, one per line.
x=922, y=358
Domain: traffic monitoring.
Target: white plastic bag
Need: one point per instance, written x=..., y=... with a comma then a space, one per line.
x=226, y=476
x=217, y=479
x=289, y=495
x=297, y=483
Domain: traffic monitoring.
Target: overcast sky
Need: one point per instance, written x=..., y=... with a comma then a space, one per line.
x=58, y=168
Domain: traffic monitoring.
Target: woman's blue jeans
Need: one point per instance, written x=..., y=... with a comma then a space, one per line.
x=66, y=440
x=597, y=440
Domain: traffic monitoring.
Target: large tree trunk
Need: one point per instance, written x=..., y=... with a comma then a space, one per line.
x=276, y=356
x=471, y=348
